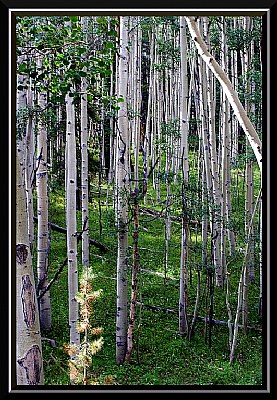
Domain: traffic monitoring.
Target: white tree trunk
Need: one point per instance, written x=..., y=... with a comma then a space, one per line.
x=184, y=99
x=29, y=366
x=30, y=170
x=71, y=224
x=42, y=213
x=84, y=163
x=122, y=192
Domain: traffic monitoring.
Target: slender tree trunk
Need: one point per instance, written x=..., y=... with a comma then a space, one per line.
x=29, y=366
x=239, y=309
x=210, y=179
x=42, y=213
x=84, y=199
x=183, y=297
x=122, y=186
x=224, y=149
x=147, y=137
x=72, y=229
x=184, y=99
x=135, y=269
x=30, y=170
x=260, y=309
x=84, y=162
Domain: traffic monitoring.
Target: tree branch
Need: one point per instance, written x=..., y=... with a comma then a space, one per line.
x=60, y=229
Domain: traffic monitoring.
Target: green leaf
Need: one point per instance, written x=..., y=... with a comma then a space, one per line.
x=101, y=20
x=112, y=32
x=109, y=45
x=22, y=67
x=73, y=18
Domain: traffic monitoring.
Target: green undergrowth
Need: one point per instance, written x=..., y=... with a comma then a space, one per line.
x=161, y=356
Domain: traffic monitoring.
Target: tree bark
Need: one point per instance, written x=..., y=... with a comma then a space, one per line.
x=71, y=227
x=42, y=212
x=122, y=191
x=29, y=366
x=84, y=160
x=184, y=99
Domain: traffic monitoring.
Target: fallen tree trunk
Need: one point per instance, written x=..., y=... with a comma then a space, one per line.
x=63, y=230
x=148, y=271
x=203, y=319
x=160, y=214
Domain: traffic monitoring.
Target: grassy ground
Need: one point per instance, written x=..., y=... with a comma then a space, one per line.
x=160, y=356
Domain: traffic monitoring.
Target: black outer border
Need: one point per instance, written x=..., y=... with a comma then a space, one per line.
x=268, y=100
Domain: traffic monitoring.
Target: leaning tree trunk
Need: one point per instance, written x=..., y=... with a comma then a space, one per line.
x=122, y=191
x=29, y=366
x=227, y=87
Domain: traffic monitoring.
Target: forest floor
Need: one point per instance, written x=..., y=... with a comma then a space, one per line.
x=161, y=356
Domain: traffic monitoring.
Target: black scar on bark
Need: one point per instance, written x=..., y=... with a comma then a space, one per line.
x=28, y=301
x=32, y=364
x=21, y=253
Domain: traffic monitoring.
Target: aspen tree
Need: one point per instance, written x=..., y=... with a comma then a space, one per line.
x=208, y=79
x=167, y=228
x=21, y=103
x=29, y=362
x=183, y=99
x=213, y=200
x=225, y=146
x=84, y=159
x=234, y=81
x=71, y=230
x=260, y=308
x=249, y=174
x=135, y=270
x=112, y=127
x=30, y=169
x=134, y=93
x=71, y=226
x=122, y=186
x=149, y=123
x=154, y=117
x=239, y=310
x=183, y=297
x=183, y=317
x=159, y=108
x=215, y=193
x=135, y=191
x=42, y=213
x=246, y=58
